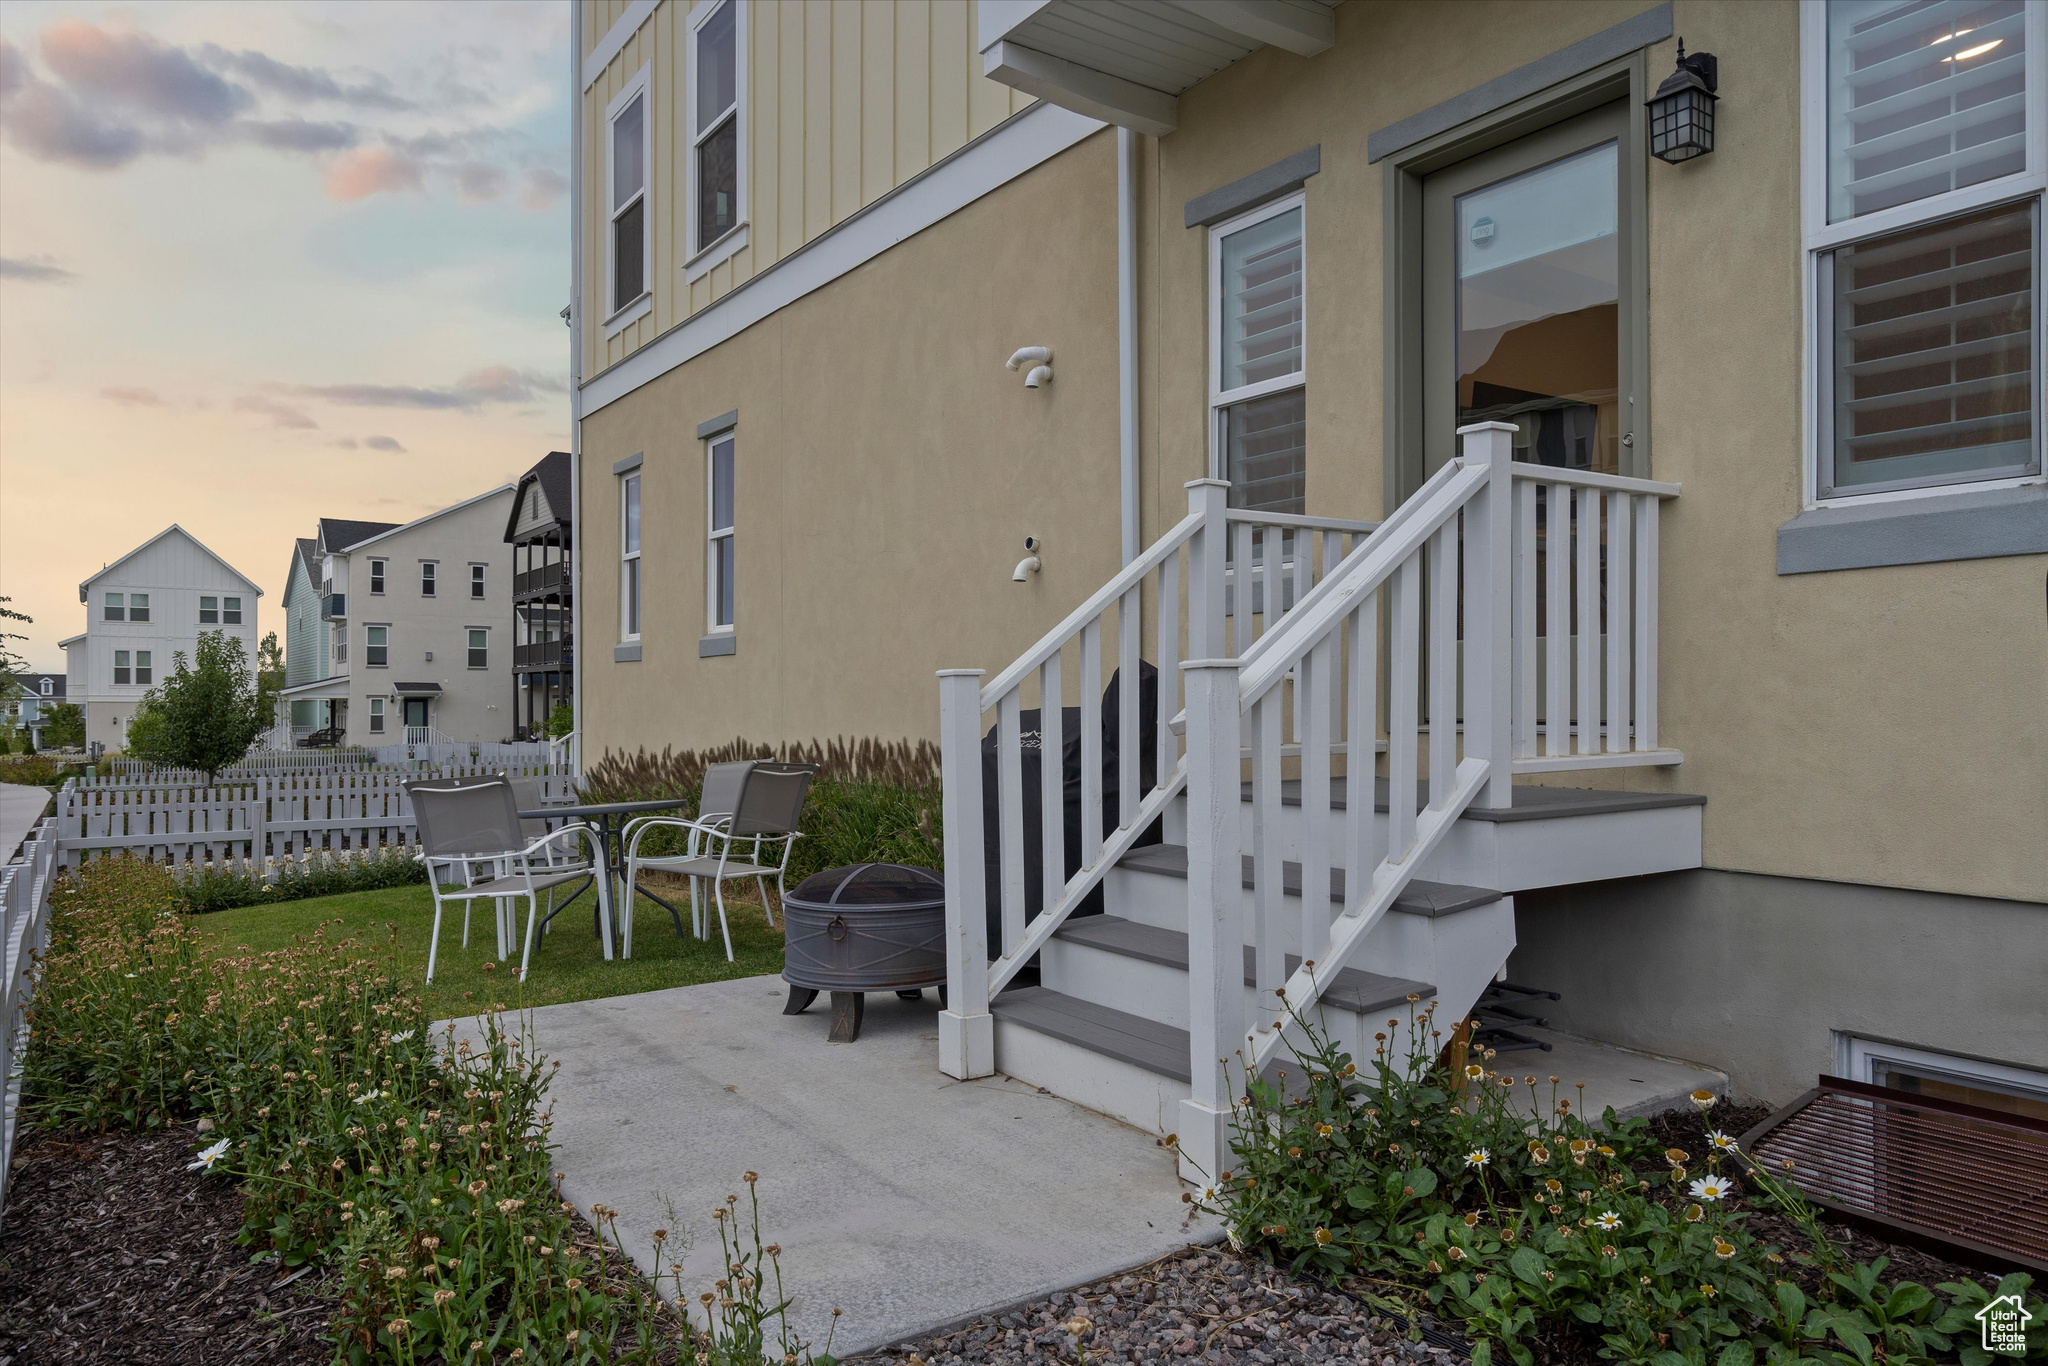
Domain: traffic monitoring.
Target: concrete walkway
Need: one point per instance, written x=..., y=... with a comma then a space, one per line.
x=21, y=807
x=1633, y=1083
x=904, y=1198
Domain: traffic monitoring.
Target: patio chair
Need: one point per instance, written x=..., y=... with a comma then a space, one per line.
x=736, y=842
x=465, y=823
x=528, y=794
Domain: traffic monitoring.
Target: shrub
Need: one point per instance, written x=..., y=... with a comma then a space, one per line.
x=418, y=1164
x=1510, y=1212
x=206, y=714
x=872, y=801
x=222, y=887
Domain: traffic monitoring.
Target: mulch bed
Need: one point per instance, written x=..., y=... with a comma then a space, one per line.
x=111, y=1252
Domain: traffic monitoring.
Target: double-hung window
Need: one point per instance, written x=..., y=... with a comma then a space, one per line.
x=376, y=646
x=629, y=557
x=115, y=609
x=231, y=611
x=1257, y=399
x=629, y=243
x=138, y=607
x=376, y=716
x=476, y=581
x=718, y=564
x=121, y=674
x=429, y=574
x=479, y=647
x=377, y=576
x=1924, y=172
x=209, y=611
x=142, y=670
x=717, y=148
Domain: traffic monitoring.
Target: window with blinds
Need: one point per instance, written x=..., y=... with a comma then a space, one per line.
x=1258, y=402
x=1923, y=97
x=1262, y=287
x=1933, y=364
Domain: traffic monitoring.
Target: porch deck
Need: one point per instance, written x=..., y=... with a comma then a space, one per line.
x=903, y=1197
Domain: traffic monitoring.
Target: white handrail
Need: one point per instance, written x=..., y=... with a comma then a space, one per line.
x=1593, y=479
x=1290, y=519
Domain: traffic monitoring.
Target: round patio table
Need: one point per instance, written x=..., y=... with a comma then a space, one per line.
x=609, y=820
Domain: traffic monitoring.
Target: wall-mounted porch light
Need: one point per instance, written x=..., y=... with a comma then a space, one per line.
x=1682, y=110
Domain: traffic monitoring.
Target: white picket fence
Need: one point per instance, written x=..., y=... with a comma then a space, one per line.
x=269, y=816
x=253, y=764
x=499, y=753
x=24, y=929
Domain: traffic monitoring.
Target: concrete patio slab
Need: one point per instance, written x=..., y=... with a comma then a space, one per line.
x=1633, y=1083
x=902, y=1197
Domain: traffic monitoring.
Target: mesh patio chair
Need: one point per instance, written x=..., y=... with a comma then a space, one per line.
x=470, y=823
x=738, y=842
x=529, y=794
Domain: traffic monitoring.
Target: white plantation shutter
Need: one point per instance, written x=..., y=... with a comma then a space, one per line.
x=1262, y=289
x=1924, y=97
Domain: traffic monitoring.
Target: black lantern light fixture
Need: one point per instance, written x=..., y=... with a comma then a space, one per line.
x=1682, y=110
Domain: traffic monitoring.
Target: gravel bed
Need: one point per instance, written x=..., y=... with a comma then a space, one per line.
x=1196, y=1305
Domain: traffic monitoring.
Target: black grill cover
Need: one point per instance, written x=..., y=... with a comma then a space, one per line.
x=1070, y=772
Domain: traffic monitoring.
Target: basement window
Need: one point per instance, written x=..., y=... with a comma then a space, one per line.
x=1946, y=1076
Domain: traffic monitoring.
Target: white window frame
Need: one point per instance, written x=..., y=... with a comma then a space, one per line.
x=378, y=576
x=630, y=621
x=145, y=664
x=113, y=607
x=1219, y=397
x=469, y=634
x=430, y=572
x=376, y=715
x=714, y=534
x=209, y=603
x=1822, y=236
x=478, y=580
x=142, y=607
x=225, y=609
x=704, y=255
x=122, y=665
x=369, y=644
x=1856, y=1059
x=625, y=312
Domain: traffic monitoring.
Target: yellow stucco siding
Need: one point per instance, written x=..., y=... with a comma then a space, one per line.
x=844, y=101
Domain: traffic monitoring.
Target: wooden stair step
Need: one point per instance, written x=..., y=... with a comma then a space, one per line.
x=1155, y=1047
x=1419, y=897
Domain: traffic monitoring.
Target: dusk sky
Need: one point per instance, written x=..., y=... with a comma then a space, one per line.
x=266, y=262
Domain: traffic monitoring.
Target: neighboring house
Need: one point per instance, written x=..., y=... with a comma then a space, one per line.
x=416, y=619
x=1319, y=239
x=140, y=610
x=309, y=634
x=30, y=711
x=543, y=636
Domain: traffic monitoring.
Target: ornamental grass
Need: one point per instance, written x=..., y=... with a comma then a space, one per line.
x=413, y=1163
x=1490, y=1200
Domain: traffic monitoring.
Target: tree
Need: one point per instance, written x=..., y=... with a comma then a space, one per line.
x=12, y=665
x=205, y=715
x=64, y=726
x=269, y=677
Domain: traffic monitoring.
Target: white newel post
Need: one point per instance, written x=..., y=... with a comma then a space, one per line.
x=1489, y=604
x=1207, y=559
x=967, y=1032
x=1215, y=929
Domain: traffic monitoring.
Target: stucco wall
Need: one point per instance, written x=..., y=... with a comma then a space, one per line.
x=888, y=469
x=1724, y=969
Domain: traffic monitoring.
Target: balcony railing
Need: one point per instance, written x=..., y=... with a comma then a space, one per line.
x=542, y=654
x=541, y=580
x=334, y=607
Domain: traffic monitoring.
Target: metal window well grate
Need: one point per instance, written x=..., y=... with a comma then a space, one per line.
x=1937, y=1172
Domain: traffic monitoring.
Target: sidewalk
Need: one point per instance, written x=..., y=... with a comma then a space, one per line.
x=20, y=808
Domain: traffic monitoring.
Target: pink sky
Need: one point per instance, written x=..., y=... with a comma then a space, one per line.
x=266, y=262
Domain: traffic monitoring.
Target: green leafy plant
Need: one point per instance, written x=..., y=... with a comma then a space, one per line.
x=1500, y=1206
x=64, y=726
x=205, y=715
x=222, y=887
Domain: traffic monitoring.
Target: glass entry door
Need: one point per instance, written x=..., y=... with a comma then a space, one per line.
x=1524, y=316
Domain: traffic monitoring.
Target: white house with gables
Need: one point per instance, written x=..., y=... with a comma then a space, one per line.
x=140, y=610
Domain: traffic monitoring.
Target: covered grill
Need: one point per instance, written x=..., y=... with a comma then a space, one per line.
x=868, y=927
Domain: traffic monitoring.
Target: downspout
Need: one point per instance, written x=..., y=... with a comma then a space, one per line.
x=576, y=628
x=1127, y=331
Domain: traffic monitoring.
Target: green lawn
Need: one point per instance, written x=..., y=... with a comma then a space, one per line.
x=567, y=962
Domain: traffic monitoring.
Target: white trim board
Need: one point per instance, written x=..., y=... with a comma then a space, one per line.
x=615, y=38
x=997, y=157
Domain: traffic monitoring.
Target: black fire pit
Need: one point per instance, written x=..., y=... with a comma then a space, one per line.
x=868, y=927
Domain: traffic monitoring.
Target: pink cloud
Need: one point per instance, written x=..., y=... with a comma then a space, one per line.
x=133, y=398
x=543, y=187
x=280, y=414
x=371, y=170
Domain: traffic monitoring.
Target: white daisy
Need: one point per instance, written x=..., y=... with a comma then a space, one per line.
x=1478, y=1157
x=401, y=1036
x=1608, y=1219
x=207, y=1157
x=1721, y=1141
x=366, y=1097
x=1712, y=1188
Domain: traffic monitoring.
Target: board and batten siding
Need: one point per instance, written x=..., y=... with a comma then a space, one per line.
x=845, y=100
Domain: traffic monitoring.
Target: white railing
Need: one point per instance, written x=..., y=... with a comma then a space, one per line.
x=1140, y=611
x=24, y=929
x=427, y=735
x=1503, y=619
x=567, y=751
